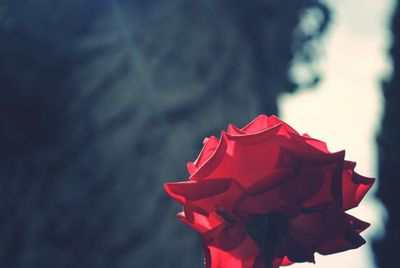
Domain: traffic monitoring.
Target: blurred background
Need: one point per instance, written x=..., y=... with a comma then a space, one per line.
x=102, y=101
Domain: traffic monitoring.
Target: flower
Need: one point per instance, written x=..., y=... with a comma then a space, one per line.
x=266, y=196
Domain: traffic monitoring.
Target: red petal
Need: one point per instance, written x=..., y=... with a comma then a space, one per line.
x=357, y=224
x=263, y=122
x=340, y=244
x=331, y=188
x=306, y=184
x=320, y=145
x=195, y=190
x=266, y=195
x=313, y=144
x=233, y=130
x=200, y=222
x=288, y=155
x=329, y=222
x=326, y=232
x=206, y=195
x=259, y=204
x=348, y=239
x=355, y=187
x=307, y=231
x=286, y=261
x=270, y=181
x=243, y=256
x=255, y=137
x=275, y=120
x=276, y=263
x=209, y=147
x=212, y=161
x=248, y=162
x=258, y=124
x=319, y=175
x=191, y=168
x=226, y=237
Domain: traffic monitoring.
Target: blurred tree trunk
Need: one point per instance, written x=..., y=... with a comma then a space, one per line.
x=386, y=250
x=104, y=101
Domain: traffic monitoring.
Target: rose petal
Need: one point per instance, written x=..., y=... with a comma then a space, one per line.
x=289, y=130
x=270, y=181
x=248, y=163
x=355, y=187
x=258, y=124
x=191, y=168
x=226, y=237
x=212, y=161
x=243, y=256
x=255, y=137
x=233, y=130
x=259, y=204
x=307, y=231
x=263, y=122
x=208, y=149
x=276, y=263
x=286, y=261
x=305, y=184
x=357, y=224
x=195, y=190
x=340, y=244
x=266, y=195
x=314, y=227
x=331, y=188
x=326, y=232
x=288, y=156
x=207, y=195
x=317, y=144
x=200, y=222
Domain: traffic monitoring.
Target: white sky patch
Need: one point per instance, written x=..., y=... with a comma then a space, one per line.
x=346, y=107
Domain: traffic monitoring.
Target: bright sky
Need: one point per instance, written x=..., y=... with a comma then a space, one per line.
x=346, y=107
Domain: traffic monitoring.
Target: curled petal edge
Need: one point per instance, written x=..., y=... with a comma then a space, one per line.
x=212, y=162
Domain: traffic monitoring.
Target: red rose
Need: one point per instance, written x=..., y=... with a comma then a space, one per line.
x=265, y=196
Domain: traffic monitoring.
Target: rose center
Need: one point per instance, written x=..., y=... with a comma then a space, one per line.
x=267, y=232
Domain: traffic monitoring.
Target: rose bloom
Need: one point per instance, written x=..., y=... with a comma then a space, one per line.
x=266, y=196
